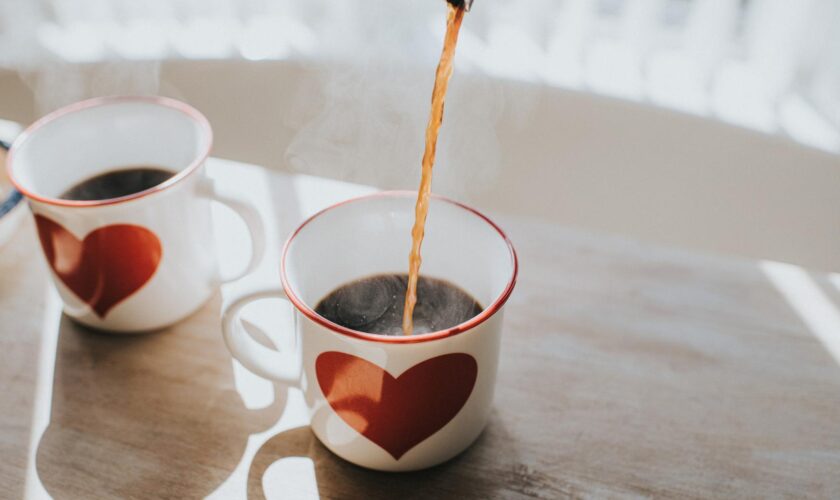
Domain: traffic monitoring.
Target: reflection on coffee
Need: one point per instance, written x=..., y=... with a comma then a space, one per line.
x=375, y=305
x=117, y=183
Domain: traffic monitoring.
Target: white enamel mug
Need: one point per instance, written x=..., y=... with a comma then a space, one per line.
x=139, y=262
x=390, y=403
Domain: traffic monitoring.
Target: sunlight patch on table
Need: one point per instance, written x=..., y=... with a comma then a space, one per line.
x=41, y=412
x=292, y=477
x=835, y=280
x=809, y=301
x=295, y=414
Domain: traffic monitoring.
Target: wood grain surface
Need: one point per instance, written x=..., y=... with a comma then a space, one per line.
x=627, y=370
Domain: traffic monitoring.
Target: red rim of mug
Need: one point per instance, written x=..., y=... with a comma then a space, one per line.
x=184, y=108
x=400, y=339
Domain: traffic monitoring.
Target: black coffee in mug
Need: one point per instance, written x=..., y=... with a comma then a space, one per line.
x=117, y=183
x=375, y=305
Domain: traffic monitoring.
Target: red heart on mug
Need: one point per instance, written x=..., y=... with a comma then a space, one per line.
x=107, y=266
x=396, y=413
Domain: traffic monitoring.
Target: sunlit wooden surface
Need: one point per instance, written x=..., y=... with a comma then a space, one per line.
x=627, y=370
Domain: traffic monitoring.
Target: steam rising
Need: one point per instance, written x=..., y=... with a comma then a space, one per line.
x=56, y=85
x=363, y=120
x=359, y=110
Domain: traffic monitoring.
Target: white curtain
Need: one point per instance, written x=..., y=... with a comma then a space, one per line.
x=771, y=65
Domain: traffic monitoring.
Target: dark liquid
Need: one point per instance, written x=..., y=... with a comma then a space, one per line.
x=117, y=183
x=375, y=305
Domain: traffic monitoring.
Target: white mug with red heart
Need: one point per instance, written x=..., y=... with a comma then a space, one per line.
x=137, y=262
x=392, y=403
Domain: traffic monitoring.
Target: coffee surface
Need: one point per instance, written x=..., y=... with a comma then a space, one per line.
x=117, y=183
x=375, y=305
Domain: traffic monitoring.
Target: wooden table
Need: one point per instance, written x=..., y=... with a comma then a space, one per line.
x=627, y=370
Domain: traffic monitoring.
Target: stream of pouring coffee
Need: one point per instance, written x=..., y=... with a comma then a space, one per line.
x=444, y=71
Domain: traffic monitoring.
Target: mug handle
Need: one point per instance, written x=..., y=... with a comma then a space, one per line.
x=268, y=363
x=14, y=197
x=249, y=214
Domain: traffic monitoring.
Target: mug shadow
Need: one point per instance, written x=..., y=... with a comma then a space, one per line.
x=154, y=415
x=460, y=477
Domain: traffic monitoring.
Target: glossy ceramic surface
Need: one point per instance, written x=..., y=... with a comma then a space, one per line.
x=389, y=402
